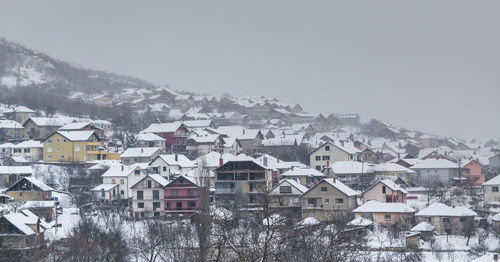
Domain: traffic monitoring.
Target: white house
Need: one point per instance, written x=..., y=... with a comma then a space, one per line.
x=123, y=176
x=436, y=170
x=491, y=190
x=170, y=166
x=31, y=150
x=140, y=155
x=148, y=196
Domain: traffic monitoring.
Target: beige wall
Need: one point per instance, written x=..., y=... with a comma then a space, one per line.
x=489, y=195
x=349, y=203
x=335, y=155
x=375, y=193
x=455, y=225
x=379, y=218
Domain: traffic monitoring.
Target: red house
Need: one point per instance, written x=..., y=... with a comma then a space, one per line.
x=175, y=135
x=182, y=196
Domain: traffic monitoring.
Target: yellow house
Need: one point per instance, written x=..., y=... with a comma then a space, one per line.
x=73, y=146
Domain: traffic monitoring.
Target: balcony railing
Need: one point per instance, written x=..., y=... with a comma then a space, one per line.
x=181, y=197
x=224, y=190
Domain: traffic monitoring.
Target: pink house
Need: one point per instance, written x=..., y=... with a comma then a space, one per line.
x=175, y=135
x=182, y=196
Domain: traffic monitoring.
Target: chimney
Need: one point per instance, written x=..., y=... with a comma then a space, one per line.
x=122, y=167
x=176, y=158
x=142, y=150
x=399, y=156
x=495, y=257
x=342, y=142
x=328, y=163
x=453, y=206
x=334, y=180
x=243, y=131
x=265, y=161
x=221, y=161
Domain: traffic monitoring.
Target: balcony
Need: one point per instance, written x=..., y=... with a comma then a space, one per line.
x=224, y=190
x=181, y=197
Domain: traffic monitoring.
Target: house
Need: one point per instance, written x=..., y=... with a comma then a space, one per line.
x=10, y=129
x=16, y=161
x=140, y=155
x=494, y=161
x=277, y=165
x=249, y=139
x=175, y=135
x=386, y=214
x=242, y=180
x=125, y=176
x=328, y=199
x=385, y=191
x=355, y=174
x=102, y=101
x=473, y=172
x=148, y=197
x=425, y=229
x=21, y=230
x=170, y=166
x=150, y=140
x=182, y=196
x=44, y=209
x=491, y=190
x=447, y=220
x=436, y=170
x=73, y=146
x=283, y=145
x=41, y=127
x=31, y=150
x=19, y=113
x=287, y=193
x=305, y=176
x=11, y=174
x=5, y=151
x=30, y=189
x=201, y=145
x=370, y=156
x=393, y=171
x=232, y=145
x=330, y=152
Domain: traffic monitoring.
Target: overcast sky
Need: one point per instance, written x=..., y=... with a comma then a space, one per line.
x=430, y=65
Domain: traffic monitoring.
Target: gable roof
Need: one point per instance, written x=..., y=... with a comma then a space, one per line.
x=149, y=137
x=120, y=170
x=156, y=177
x=21, y=220
x=29, y=144
x=140, y=152
x=10, y=124
x=75, y=135
x=347, y=147
x=75, y=126
x=340, y=186
x=293, y=183
x=393, y=186
x=303, y=172
x=434, y=164
x=16, y=170
x=41, y=185
x=440, y=209
x=423, y=227
x=46, y=121
x=162, y=127
x=493, y=182
x=374, y=206
x=350, y=167
x=182, y=160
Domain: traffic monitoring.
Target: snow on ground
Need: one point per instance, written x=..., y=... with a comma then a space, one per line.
x=63, y=198
x=69, y=219
x=455, y=242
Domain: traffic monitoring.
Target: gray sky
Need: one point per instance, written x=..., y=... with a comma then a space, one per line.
x=430, y=65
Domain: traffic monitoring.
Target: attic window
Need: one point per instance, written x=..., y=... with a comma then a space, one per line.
x=327, y=148
x=324, y=189
x=49, y=141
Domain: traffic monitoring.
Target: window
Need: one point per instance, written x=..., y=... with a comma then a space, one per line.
x=64, y=140
x=192, y=204
x=62, y=156
x=77, y=148
x=318, y=158
x=285, y=189
x=494, y=189
x=327, y=148
x=191, y=193
x=324, y=189
x=156, y=214
x=26, y=150
x=388, y=199
x=429, y=219
x=49, y=156
x=387, y=217
x=49, y=141
x=140, y=205
x=446, y=219
x=57, y=140
x=168, y=204
x=122, y=192
x=149, y=183
x=156, y=205
x=113, y=181
x=318, y=168
x=114, y=192
x=178, y=205
x=49, y=149
x=326, y=158
x=383, y=190
x=327, y=201
x=156, y=194
x=103, y=195
x=137, y=172
x=339, y=201
x=140, y=195
x=122, y=181
x=174, y=193
x=463, y=219
x=58, y=149
x=164, y=169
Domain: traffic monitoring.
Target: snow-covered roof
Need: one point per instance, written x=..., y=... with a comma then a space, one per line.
x=360, y=221
x=340, y=186
x=182, y=160
x=21, y=220
x=74, y=126
x=38, y=204
x=7, y=145
x=19, y=159
x=433, y=163
x=287, y=140
x=162, y=128
x=120, y=170
x=140, y=152
x=493, y=182
x=440, y=209
x=346, y=146
x=293, y=183
x=149, y=137
x=350, y=167
x=423, y=227
x=391, y=167
x=308, y=221
x=156, y=177
x=374, y=206
x=10, y=124
x=310, y=172
x=48, y=121
x=77, y=135
x=496, y=217
x=35, y=182
x=16, y=170
x=105, y=187
x=197, y=123
x=239, y=132
x=277, y=164
x=19, y=109
x=204, y=139
x=29, y=144
x=393, y=186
